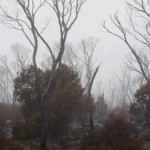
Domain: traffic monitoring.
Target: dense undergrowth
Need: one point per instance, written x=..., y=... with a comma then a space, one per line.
x=117, y=135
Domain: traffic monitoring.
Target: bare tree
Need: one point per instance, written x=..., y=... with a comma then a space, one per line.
x=21, y=56
x=5, y=66
x=5, y=86
x=67, y=12
x=81, y=59
x=89, y=98
x=9, y=70
x=26, y=23
x=132, y=63
x=111, y=94
x=87, y=48
x=126, y=87
x=138, y=31
x=68, y=57
x=84, y=54
x=121, y=89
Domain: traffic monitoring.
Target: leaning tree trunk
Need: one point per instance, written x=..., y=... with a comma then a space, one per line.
x=46, y=96
x=44, y=102
x=91, y=120
x=89, y=100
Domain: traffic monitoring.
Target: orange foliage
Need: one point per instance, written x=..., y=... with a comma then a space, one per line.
x=117, y=136
x=118, y=126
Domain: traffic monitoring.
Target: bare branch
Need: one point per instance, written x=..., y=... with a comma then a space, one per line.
x=115, y=20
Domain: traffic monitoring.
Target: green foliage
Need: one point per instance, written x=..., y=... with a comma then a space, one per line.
x=65, y=100
x=142, y=104
x=20, y=131
x=28, y=91
x=64, y=97
x=23, y=130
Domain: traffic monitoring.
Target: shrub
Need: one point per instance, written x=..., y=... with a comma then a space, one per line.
x=126, y=144
x=35, y=123
x=20, y=130
x=6, y=144
x=23, y=130
x=9, y=112
x=118, y=126
x=65, y=101
x=99, y=141
x=116, y=137
x=4, y=113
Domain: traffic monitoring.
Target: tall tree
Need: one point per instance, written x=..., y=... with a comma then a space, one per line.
x=87, y=48
x=10, y=69
x=66, y=99
x=67, y=12
x=138, y=31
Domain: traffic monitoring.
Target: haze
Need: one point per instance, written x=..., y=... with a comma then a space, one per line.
x=110, y=51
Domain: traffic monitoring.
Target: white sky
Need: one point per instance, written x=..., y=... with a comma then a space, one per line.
x=110, y=50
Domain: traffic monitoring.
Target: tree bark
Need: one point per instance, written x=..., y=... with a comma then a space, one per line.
x=89, y=101
x=91, y=121
x=44, y=102
x=44, y=136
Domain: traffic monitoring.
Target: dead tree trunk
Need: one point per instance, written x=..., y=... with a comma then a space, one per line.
x=89, y=100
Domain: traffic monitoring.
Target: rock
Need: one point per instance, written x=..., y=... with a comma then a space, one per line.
x=7, y=129
x=146, y=146
x=10, y=137
x=147, y=137
x=8, y=123
x=145, y=134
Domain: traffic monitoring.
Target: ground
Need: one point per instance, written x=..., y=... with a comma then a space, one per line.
x=146, y=146
x=72, y=145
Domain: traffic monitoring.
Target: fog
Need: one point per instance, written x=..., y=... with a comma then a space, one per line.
x=110, y=51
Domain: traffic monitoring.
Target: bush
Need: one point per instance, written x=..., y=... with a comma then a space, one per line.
x=9, y=112
x=4, y=113
x=20, y=130
x=115, y=137
x=100, y=141
x=6, y=144
x=23, y=130
x=118, y=126
x=126, y=144
x=64, y=103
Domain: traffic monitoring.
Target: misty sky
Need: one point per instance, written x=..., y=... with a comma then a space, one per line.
x=110, y=50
